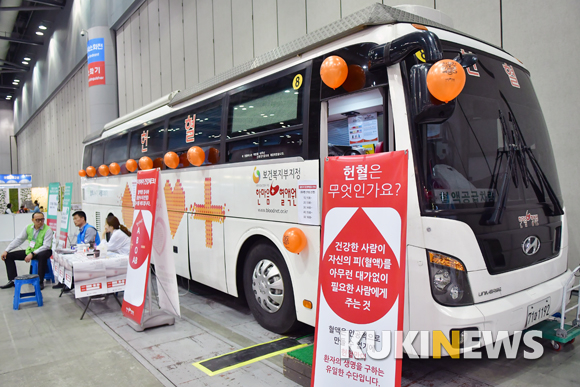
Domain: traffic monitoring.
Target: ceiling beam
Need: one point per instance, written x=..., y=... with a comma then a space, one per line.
x=52, y=3
x=30, y=9
x=11, y=71
x=8, y=87
x=5, y=63
x=23, y=41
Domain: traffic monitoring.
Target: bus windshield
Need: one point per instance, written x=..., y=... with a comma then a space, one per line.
x=494, y=151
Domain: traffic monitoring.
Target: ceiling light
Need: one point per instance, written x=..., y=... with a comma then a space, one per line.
x=15, y=83
x=24, y=62
x=27, y=58
x=39, y=33
x=41, y=27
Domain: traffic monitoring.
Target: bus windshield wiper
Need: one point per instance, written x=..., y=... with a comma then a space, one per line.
x=508, y=151
x=525, y=154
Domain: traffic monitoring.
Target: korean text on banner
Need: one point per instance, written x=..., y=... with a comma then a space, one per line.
x=162, y=258
x=53, y=192
x=65, y=215
x=96, y=61
x=141, y=239
x=362, y=267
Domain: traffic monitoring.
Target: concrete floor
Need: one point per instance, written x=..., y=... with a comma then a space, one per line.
x=50, y=345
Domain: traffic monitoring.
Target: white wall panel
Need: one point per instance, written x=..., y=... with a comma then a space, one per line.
x=135, y=69
x=243, y=31
x=154, y=48
x=222, y=32
x=165, y=47
x=477, y=18
x=145, y=56
x=265, y=26
x=424, y=3
x=129, y=59
x=291, y=20
x=205, y=39
x=321, y=12
x=351, y=6
x=177, y=54
x=190, y=42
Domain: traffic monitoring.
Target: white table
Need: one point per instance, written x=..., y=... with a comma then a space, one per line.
x=92, y=276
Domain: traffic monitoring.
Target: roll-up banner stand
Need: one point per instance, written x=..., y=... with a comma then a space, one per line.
x=150, y=242
x=362, y=270
x=52, y=213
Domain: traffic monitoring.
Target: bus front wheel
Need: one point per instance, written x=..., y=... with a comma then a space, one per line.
x=268, y=289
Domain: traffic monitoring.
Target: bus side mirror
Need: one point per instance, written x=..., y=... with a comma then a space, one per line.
x=426, y=108
x=466, y=60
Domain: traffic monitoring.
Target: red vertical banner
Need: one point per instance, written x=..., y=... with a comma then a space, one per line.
x=362, y=268
x=141, y=238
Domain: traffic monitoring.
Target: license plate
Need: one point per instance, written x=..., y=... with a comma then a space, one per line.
x=537, y=312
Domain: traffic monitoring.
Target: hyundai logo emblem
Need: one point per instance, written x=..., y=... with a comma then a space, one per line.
x=531, y=245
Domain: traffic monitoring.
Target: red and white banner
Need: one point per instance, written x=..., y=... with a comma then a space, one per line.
x=141, y=238
x=362, y=267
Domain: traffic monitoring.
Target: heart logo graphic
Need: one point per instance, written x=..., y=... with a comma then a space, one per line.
x=175, y=199
x=159, y=234
x=127, y=207
x=274, y=189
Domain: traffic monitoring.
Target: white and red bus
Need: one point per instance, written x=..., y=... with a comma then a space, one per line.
x=487, y=241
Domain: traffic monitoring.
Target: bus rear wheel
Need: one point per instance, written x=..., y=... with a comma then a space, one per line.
x=268, y=289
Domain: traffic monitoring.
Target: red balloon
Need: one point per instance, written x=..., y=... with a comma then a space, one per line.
x=114, y=168
x=171, y=160
x=445, y=80
x=91, y=171
x=356, y=78
x=131, y=165
x=196, y=156
x=145, y=163
x=183, y=160
x=213, y=155
x=158, y=163
x=333, y=71
x=82, y=173
x=104, y=170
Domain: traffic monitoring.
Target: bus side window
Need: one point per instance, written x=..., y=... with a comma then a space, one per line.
x=97, y=154
x=198, y=127
x=116, y=151
x=147, y=142
x=87, y=156
x=356, y=124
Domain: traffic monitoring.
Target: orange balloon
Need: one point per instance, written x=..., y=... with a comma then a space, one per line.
x=91, y=171
x=333, y=71
x=183, y=160
x=82, y=173
x=196, y=155
x=294, y=240
x=158, y=163
x=145, y=163
x=445, y=80
x=131, y=165
x=355, y=79
x=114, y=168
x=171, y=159
x=104, y=170
x=213, y=155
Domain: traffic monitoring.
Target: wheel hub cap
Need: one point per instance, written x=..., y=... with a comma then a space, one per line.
x=268, y=286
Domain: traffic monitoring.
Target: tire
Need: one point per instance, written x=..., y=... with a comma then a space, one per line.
x=268, y=289
x=556, y=346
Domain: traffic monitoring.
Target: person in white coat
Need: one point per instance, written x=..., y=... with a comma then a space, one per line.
x=120, y=241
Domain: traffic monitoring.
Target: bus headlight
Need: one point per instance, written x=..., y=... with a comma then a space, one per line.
x=449, y=283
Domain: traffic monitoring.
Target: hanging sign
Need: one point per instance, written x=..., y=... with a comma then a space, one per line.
x=362, y=268
x=96, y=61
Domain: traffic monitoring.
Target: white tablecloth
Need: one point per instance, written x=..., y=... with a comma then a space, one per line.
x=93, y=276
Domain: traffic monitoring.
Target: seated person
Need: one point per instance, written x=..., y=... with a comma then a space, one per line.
x=120, y=241
x=39, y=237
x=87, y=234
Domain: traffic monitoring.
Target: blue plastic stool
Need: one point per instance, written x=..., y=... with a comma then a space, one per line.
x=49, y=275
x=20, y=298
